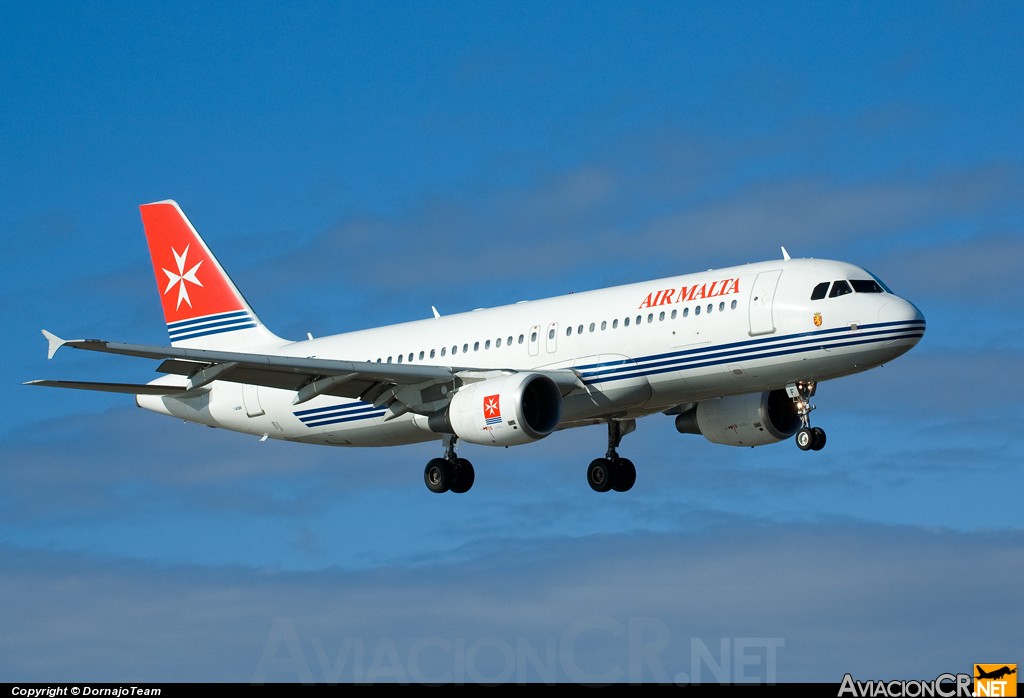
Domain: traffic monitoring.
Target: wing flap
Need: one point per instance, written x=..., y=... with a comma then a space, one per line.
x=352, y=386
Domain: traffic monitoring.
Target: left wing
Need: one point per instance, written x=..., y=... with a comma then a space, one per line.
x=400, y=387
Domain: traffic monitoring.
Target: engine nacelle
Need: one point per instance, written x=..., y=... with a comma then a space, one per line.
x=507, y=411
x=743, y=420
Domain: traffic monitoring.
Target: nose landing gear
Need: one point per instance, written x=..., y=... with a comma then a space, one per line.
x=808, y=438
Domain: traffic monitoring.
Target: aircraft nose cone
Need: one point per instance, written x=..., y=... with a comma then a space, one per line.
x=902, y=312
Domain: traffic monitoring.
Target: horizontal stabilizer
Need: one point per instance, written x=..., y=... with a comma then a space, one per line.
x=129, y=388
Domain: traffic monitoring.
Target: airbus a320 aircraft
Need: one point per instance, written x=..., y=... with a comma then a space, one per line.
x=734, y=354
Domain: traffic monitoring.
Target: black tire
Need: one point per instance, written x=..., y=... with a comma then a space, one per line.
x=438, y=475
x=625, y=475
x=601, y=475
x=819, y=439
x=805, y=439
x=465, y=476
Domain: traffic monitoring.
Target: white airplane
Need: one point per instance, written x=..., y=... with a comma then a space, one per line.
x=733, y=354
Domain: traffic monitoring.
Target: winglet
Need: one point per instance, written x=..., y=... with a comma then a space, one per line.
x=54, y=342
x=436, y=314
x=785, y=254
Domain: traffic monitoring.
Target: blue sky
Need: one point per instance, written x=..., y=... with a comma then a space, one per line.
x=353, y=164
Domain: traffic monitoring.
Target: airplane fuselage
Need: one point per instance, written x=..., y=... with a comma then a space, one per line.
x=638, y=349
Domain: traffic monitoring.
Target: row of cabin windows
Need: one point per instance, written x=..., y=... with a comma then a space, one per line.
x=580, y=329
x=843, y=287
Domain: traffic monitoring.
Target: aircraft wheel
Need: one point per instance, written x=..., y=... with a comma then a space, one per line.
x=805, y=439
x=464, y=476
x=819, y=439
x=601, y=475
x=625, y=475
x=438, y=475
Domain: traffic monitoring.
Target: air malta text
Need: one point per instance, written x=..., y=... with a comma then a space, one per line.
x=693, y=293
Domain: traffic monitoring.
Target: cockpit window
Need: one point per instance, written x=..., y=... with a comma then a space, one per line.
x=866, y=286
x=880, y=282
x=819, y=291
x=840, y=288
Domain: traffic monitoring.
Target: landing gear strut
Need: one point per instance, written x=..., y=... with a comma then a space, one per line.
x=808, y=438
x=450, y=473
x=613, y=472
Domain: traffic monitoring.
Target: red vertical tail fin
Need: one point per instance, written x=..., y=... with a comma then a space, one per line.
x=202, y=306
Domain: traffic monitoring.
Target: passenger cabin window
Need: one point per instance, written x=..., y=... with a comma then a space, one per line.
x=866, y=286
x=819, y=291
x=840, y=288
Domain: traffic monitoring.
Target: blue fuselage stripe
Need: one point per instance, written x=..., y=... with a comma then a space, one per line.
x=748, y=351
x=768, y=353
x=347, y=417
x=335, y=414
x=751, y=343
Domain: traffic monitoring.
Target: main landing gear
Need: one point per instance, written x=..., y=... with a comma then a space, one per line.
x=808, y=438
x=451, y=473
x=613, y=472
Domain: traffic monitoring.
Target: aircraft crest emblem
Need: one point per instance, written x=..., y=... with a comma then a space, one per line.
x=817, y=319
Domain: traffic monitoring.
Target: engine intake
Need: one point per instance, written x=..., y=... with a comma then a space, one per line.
x=743, y=420
x=507, y=411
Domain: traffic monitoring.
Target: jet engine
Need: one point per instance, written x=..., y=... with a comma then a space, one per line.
x=742, y=420
x=507, y=411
